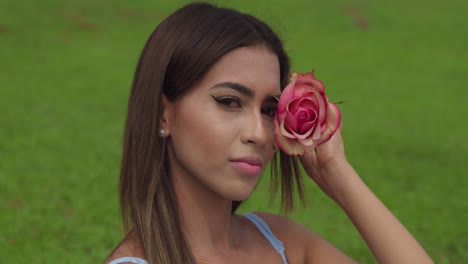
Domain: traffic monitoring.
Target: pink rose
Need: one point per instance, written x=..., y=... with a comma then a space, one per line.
x=305, y=118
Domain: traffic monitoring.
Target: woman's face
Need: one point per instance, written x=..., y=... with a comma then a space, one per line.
x=221, y=132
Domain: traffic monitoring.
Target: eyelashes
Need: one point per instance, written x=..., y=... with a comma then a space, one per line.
x=234, y=103
x=229, y=101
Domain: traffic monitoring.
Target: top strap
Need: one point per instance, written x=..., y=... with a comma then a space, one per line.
x=261, y=225
x=266, y=231
x=129, y=259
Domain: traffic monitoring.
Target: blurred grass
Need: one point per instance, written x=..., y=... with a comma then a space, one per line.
x=65, y=73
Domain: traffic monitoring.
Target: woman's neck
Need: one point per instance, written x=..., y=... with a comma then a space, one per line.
x=205, y=217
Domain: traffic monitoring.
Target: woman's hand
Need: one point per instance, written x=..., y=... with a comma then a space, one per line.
x=324, y=163
x=327, y=154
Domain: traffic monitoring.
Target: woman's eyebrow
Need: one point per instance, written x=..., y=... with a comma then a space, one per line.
x=246, y=91
x=237, y=87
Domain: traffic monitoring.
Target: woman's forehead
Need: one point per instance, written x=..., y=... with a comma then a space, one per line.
x=253, y=67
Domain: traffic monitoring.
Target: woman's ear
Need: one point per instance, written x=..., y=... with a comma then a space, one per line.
x=167, y=116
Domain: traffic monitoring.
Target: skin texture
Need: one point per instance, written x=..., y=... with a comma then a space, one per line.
x=204, y=136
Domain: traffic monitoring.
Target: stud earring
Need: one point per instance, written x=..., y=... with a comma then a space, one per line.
x=162, y=133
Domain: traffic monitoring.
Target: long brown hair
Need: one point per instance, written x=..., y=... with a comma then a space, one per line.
x=179, y=52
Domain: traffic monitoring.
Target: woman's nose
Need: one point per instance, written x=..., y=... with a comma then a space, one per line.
x=256, y=130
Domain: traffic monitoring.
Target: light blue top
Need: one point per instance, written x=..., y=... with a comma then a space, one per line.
x=266, y=231
x=255, y=219
x=129, y=259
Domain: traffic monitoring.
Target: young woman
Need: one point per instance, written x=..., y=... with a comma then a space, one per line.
x=199, y=134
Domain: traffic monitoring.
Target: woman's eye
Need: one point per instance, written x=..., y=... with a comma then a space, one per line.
x=269, y=111
x=228, y=101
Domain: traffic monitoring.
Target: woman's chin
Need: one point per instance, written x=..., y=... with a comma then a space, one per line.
x=238, y=194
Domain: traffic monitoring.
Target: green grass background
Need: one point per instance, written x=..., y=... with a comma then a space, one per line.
x=65, y=72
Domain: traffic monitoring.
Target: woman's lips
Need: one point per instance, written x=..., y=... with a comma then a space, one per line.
x=250, y=166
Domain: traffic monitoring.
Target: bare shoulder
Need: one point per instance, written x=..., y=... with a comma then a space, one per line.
x=128, y=247
x=302, y=244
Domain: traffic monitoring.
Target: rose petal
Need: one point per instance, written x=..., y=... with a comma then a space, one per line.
x=290, y=146
x=321, y=101
x=286, y=96
x=301, y=87
x=290, y=122
x=310, y=116
x=282, y=128
x=293, y=105
x=319, y=85
x=307, y=126
x=305, y=118
x=293, y=77
x=303, y=136
x=317, y=133
x=316, y=83
x=333, y=122
x=310, y=102
x=308, y=79
x=313, y=138
x=308, y=142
